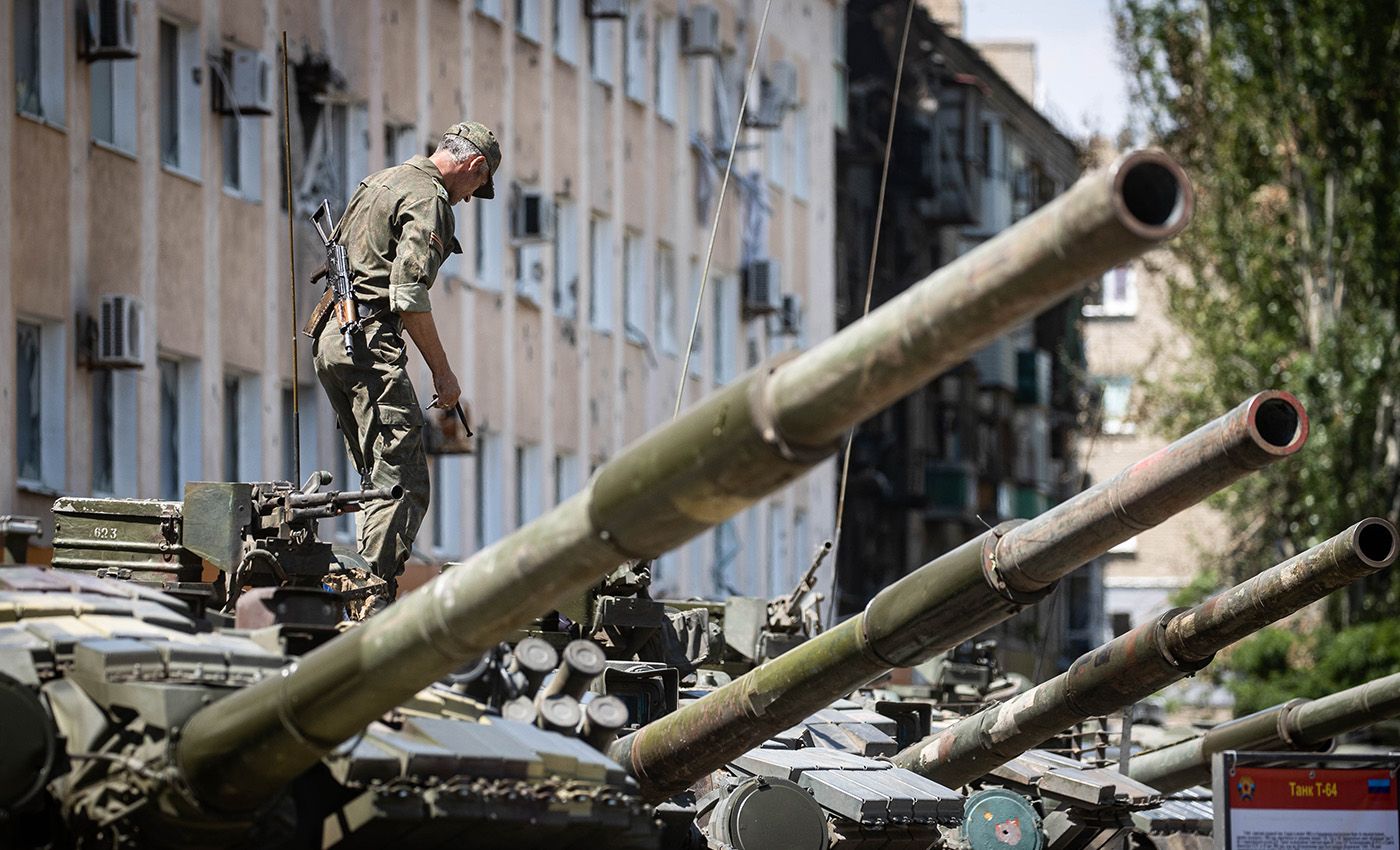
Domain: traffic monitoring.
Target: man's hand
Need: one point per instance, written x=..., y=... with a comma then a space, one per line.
x=448, y=392
x=421, y=328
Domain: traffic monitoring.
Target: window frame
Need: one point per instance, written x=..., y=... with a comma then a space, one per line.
x=120, y=101
x=186, y=111
x=601, y=283
x=566, y=259
x=50, y=64
x=50, y=467
x=566, y=26
x=634, y=53
x=634, y=287
x=666, y=68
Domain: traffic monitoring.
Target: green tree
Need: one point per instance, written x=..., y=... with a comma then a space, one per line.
x=1287, y=116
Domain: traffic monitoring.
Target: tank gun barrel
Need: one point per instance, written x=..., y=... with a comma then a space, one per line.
x=1148, y=658
x=726, y=452
x=958, y=595
x=1299, y=724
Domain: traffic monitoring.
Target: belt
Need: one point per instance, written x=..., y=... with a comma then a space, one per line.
x=369, y=313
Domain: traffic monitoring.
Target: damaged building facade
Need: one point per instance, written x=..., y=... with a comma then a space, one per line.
x=145, y=246
x=993, y=439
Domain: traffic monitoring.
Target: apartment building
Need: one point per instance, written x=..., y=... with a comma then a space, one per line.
x=146, y=240
x=1130, y=343
x=992, y=439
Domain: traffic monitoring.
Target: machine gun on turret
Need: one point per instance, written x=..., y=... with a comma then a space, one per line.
x=261, y=535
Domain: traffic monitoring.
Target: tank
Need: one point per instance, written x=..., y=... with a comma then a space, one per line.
x=1299, y=724
x=1137, y=664
x=163, y=747
x=958, y=595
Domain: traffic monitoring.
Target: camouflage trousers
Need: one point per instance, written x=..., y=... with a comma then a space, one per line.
x=378, y=412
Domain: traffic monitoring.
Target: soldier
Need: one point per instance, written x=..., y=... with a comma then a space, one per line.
x=397, y=230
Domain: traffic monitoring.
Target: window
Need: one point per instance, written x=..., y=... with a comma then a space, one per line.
x=114, y=408
x=529, y=483
x=802, y=547
x=635, y=56
x=567, y=20
x=180, y=98
x=726, y=306
x=40, y=398
x=346, y=478
x=490, y=484
x=242, y=137
x=566, y=257
x=114, y=103
x=634, y=287
x=667, y=66
x=490, y=243
x=181, y=432
x=527, y=18
x=697, y=345
x=800, y=154
x=529, y=271
x=1116, y=294
x=775, y=154
x=566, y=476
x=600, y=282
x=490, y=8
x=665, y=299
x=726, y=553
x=778, y=558
x=39, y=59
x=693, y=96
x=400, y=143
x=602, y=44
x=839, y=107
x=242, y=428
x=1116, y=405
x=345, y=141
x=446, y=505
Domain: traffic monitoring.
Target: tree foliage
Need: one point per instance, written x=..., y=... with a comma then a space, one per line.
x=1287, y=115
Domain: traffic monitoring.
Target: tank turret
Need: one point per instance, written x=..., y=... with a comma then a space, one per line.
x=1139, y=663
x=958, y=595
x=1299, y=724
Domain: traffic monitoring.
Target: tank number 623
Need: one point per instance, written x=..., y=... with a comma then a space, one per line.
x=103, y=532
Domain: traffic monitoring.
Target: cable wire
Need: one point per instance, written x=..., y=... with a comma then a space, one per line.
x=719, y=206
x=869, y=290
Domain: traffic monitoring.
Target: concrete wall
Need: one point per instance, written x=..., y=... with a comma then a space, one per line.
x=82, y=220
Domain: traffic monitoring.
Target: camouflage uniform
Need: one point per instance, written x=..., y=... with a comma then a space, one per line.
x=397, y=230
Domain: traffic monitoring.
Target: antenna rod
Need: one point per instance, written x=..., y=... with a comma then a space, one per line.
x=291, y=259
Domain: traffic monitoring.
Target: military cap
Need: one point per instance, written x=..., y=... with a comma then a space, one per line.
x=484, y=141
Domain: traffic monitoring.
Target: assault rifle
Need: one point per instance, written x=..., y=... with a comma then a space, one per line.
x=337, y=271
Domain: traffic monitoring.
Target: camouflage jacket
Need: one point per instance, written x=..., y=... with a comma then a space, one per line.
x=397, y=230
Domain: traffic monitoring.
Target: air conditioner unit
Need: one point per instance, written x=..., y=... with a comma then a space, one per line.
x=594, y=9
x=767, y=114
x=111, y=30
x=783, y=76
x=790, y=316
x=700, y=31
x=119, y=328
x=248, y=87
x=530, y=215
x=761, y=295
